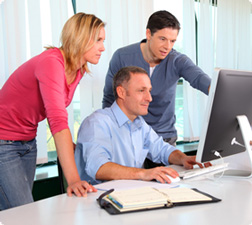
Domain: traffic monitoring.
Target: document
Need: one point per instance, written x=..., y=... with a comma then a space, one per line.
x=145, y=198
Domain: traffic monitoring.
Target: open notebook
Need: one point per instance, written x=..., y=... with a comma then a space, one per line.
x=146, y=198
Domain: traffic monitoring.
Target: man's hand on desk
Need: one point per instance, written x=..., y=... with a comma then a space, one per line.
x=159, y=174
x=189, y=161
x=80, y=189
x=179, y=158
x=114, y=171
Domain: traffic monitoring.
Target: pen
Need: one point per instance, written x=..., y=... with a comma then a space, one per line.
x=101, y=189
x=103, y=195
x=89, y=183
x=116, y=202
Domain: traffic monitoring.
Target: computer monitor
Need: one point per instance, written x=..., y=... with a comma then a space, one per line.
x=226, y=128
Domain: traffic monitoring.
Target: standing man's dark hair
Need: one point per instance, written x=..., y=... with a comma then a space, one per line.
x=123, y=75
x=162, y=19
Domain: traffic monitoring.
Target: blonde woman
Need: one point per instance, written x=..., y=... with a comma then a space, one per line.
x=42, y=88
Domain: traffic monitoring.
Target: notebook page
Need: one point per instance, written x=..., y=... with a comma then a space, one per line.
x=176, y=195
x=139, y=197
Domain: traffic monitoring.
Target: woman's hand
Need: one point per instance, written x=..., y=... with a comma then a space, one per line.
x=80, y=189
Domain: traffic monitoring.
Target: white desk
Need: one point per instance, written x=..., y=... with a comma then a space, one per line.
x=234, y=209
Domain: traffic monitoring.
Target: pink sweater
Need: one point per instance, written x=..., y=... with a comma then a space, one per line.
x=35, y=91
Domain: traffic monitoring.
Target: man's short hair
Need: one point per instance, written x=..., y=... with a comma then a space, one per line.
x=123, y=76
x=162, y=19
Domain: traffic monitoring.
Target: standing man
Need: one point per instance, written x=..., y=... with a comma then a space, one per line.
x=165, y=67
x=113, y=142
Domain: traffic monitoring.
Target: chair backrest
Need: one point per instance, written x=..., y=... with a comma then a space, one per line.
x=62, y=180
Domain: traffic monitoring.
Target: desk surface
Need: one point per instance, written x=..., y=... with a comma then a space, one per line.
x=235, y=208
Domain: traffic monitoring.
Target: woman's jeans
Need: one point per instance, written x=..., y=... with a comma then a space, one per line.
x=17, y=170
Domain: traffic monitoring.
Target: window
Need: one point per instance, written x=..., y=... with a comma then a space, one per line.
x=176, y=8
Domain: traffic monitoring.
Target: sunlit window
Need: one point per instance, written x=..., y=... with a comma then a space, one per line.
x=176, y=8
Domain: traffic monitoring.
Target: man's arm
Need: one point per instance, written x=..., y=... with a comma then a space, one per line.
x=113, y=171
x=160, y=151
x=192, y=73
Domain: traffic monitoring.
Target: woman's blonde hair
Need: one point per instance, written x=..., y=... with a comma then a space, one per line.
x=79, y=35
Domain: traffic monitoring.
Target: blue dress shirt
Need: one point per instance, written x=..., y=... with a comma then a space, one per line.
x=108, y=135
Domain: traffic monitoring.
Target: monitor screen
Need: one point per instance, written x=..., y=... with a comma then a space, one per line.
x=230, y=95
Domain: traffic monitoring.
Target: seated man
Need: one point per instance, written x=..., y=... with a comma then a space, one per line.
x=114, y=142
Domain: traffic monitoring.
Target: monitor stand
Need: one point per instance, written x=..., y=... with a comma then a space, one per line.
x=241, y=164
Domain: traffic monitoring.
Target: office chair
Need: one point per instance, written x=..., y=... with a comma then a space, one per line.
x=148, y=164
x=62, y=179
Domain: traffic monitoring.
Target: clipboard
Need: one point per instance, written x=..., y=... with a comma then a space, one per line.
x=113, y=208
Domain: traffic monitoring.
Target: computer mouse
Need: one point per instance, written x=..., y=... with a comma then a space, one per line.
x=172, y=179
